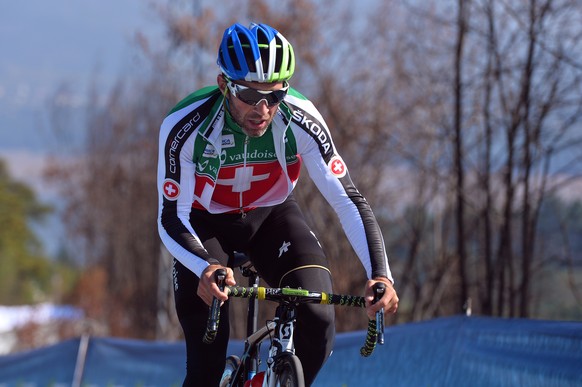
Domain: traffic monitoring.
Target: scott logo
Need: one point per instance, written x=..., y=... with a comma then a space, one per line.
x=285, y=332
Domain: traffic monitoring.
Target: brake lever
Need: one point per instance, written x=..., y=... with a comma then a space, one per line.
x=379, y=290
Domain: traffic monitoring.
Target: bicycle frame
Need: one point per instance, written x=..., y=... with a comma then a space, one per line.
x=282, y=342
x=250, y=357
x=251, y=363
x=281, y=329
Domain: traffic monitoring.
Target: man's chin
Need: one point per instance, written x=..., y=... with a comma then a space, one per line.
x=254, y=132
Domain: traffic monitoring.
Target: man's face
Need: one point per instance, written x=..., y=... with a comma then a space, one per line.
x=254, y=120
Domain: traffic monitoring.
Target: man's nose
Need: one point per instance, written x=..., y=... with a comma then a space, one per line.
x=262, y=106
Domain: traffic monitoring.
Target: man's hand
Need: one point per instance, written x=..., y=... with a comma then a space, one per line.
x=207, y=287
x=389, y=301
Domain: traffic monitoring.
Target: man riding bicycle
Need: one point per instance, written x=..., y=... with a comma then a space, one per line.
x=229, y=158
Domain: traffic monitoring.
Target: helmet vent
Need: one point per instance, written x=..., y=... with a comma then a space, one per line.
x=258, y=53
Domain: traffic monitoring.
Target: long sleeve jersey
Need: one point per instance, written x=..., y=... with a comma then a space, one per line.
x=199, y=168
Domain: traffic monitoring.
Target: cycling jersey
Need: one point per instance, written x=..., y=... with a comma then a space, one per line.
x=207, y=162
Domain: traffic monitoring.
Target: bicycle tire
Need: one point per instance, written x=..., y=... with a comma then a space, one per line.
x=289, y=372
x=230, y=366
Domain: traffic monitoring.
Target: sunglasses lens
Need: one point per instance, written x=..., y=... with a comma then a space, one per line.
x=253, y=97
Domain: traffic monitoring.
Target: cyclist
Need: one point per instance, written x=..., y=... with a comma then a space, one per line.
x=229, y=158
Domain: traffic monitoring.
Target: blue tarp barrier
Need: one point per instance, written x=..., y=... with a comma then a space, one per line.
x=454, y=351
x=42, y=367
x=464, y=351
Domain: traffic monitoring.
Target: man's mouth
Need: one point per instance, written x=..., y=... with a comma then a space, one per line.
x=257, y=121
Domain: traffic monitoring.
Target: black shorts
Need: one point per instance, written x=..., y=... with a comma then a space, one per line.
x=285, y=252
x=277, y=239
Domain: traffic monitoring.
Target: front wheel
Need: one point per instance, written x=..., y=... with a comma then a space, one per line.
x=289, y=372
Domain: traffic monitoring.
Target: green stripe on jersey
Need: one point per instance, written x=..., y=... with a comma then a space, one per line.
x=195, y=96
x=296, y=94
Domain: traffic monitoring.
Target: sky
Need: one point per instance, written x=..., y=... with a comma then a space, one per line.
x=45, y=45
x=48, y=45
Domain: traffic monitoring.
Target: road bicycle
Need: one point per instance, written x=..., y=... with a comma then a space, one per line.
x=283, y=367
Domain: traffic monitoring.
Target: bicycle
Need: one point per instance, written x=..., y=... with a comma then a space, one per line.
x=283, y=366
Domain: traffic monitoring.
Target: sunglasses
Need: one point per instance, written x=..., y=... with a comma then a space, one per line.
x=253, y=97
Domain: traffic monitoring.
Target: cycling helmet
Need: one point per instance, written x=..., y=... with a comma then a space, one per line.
x=255, y=54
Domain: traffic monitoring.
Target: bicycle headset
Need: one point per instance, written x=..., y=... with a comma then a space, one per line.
x=255, y=54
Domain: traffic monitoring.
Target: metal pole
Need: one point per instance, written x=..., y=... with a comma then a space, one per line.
x=81, y=359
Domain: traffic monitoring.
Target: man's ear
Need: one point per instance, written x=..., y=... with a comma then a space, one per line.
x=221, y=84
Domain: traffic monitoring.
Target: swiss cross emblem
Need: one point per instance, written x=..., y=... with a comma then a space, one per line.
x=243, y=178
x=337, y=166
x=171, y=189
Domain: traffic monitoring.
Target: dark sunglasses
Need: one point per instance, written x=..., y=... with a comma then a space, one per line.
x=253, y=97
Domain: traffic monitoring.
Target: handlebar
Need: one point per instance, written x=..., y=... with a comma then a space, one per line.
x=374, y=335
x=296, y=296
x=375, y=332
x=214, y=316
x=379, y=290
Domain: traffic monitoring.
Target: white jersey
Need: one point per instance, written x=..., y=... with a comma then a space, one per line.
x=206, y=162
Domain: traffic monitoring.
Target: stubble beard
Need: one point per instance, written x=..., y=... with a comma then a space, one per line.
x=254, y=132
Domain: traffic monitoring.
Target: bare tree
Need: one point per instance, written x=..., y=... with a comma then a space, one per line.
x=512, y=98
x=462, y=22
x=112, y=200
x=453, y=144
x=529, y=84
